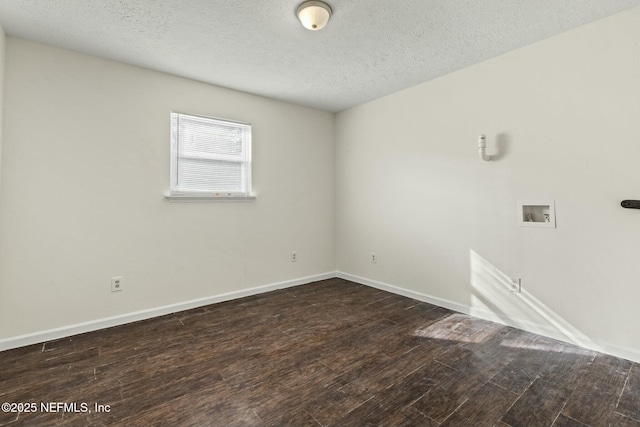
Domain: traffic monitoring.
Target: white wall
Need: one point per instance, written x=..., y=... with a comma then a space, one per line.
x=2, y=54
x=85, y=168
x=563, y=116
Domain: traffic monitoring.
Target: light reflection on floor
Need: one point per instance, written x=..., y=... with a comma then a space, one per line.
x=457, y=327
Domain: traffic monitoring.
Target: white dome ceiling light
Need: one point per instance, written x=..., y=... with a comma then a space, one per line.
x=314, y=15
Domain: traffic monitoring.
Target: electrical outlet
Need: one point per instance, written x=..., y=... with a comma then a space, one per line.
x=294, y=257
x=374, y=259
x=516, y=285
x=116, y=284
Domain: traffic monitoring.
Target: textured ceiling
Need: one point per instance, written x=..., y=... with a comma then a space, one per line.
x=369, y=49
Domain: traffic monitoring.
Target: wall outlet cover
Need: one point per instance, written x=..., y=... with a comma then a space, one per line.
x=116, y=284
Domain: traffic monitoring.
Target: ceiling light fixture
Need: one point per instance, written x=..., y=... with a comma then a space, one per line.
x=314, y=15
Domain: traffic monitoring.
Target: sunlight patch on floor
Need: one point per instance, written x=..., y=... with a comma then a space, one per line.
x=459, y=328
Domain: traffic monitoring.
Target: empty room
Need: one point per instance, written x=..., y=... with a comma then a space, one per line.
x=319, y=213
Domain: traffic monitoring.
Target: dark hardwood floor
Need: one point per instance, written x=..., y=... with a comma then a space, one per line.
x=329, y=353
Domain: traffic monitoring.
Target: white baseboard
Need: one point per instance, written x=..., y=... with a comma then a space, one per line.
x=108, y=322
x=405, y=292
x=628, y=353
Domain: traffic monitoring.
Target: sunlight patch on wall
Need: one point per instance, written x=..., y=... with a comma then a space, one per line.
x=493, y=299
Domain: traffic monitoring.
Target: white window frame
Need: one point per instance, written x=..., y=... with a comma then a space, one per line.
x=178, y=194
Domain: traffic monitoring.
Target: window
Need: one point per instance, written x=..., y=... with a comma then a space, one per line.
x=210, y=157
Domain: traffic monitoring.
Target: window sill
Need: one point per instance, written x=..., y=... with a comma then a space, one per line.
x=206, y=198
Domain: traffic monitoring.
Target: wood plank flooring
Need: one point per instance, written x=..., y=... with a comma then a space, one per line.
x=330, y=353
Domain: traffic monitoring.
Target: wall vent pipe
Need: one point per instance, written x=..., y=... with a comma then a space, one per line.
x=482, y=148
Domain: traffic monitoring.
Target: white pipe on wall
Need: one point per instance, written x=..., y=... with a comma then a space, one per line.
x=482, y=148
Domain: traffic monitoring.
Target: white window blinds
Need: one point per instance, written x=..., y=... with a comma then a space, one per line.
x=210, y=156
